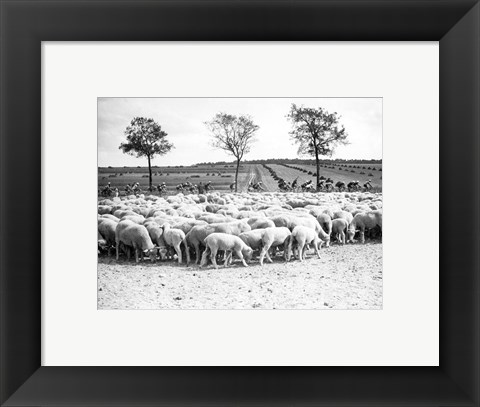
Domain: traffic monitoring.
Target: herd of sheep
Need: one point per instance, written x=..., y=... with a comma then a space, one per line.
x=203, y=227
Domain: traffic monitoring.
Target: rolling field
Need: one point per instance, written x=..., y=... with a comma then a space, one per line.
x=222, y=175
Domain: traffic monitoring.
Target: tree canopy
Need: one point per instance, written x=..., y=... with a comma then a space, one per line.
x=145, y=138
x=316, y=131
x=233, y=134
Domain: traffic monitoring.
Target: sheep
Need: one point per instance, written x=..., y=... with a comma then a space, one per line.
x=339, y=226
x=303, y=236
x=329, y=212
x=131, y=234
x=253, y=238
x=214, y=218
x=343, y=215
x=101, y=243
x=280, y=220
x=229, y=243
x=120, y=213
x=246, y=215
x=106, y=228
x=260, y=223
x=108, y=216
x=104, y=209
x=138, y=219
x=273, y=237
x=197, y=234
x=156, y=234
x=187, y=225
x=325, y=222
x=174, y=237
x=363, y=221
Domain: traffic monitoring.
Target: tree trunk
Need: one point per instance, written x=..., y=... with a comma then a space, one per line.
x=149, y=173
x=318, y=169
x=236, y=174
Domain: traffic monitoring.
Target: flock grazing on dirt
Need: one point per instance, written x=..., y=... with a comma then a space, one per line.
x=203, y=228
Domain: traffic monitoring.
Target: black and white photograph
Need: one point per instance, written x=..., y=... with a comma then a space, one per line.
x=261, y=203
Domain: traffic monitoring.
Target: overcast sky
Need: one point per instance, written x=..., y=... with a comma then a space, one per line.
x=183, y=119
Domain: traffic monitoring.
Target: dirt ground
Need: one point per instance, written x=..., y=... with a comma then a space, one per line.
x=345, y=277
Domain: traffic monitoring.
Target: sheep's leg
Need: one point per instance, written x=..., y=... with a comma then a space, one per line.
x=213, y=257
x=239, y=254
x=267, y=255
x=262, y=253
x=206, y=252
x=197, y=251
x=117, y=248
x=301, y=251
x=178, y=250
x=228, y=258
x=136, y=255
x=287, y=250
x=187, y=251
x=342, y=237
x=316, y=245
x=362, y=236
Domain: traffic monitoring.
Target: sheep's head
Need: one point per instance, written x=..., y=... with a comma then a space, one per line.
x=102, y=244
x=350, y=235
x=247, y=253
x=163, y=251
x=151, y=253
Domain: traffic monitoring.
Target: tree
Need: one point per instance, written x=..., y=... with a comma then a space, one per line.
x=145, y=138
x=316, y=131
x=234, y=135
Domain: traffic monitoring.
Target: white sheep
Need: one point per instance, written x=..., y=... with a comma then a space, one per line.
x=135, y=236
x=339, y=227
x=343, y=215
x=106, y=228
x=228, y=243
x=260, y=223
x=173, y=238
x=273, y=237
x=156, y=234
x=363, y=221
x=303, y=236
x=197, y=234
x=325, y=222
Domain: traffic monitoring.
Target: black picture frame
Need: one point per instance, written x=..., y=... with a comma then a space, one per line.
x=24, y=24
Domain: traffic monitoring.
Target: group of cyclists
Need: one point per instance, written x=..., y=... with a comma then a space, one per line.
x=201, y=188
x=130, y=189
x=134, y=189
x=324, y=184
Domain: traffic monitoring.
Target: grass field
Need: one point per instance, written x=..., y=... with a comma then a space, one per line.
x=222, y=175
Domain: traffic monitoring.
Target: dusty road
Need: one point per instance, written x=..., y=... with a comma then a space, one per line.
x=348, y=277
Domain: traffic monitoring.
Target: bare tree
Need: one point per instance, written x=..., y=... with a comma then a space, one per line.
x=316, y=131
x=234, y=135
